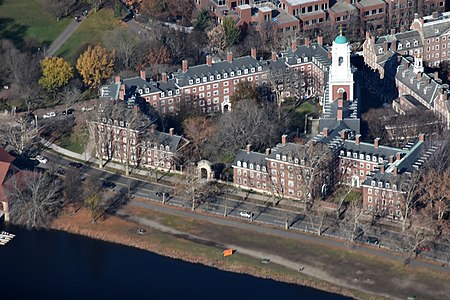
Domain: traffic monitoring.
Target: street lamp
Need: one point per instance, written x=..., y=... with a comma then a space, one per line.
x=36, y=121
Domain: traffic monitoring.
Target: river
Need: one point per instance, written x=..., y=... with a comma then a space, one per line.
x=57, y=265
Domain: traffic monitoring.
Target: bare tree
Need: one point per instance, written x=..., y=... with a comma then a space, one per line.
x=125, y=43
x=191, y=186
x=35, y=199
x=71, y=188
x=19, y=134
x=70, y=96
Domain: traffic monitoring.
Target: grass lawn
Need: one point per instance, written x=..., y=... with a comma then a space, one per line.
x=24, y=19
x=90, y=32
x=75, y=142
x=305, y=108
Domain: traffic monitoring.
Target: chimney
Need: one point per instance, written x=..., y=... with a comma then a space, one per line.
x=421, y=137
x=283, y=139
x=184, y=66
x=372, y=39
x=398, y=156
x=320, y=40
x=117, y=79
x=357, y=139
x=229, y=56
x=152, y=128
x=395, y=170
x=247, y=149
x=142, y=74
x=340, y=116
x=391, y=159
x=325, y=131
x=416, y=16
x=385, y=46
x=367, y=34
x=382, y=169
x=307, y=42
x=394, y=45
x=435, y=15
x=171, y=131
x=376, y=143
x=436, y=75
x=294, y=45
x=274, y=56
x=267, y=151
x=209, y=60
x=329, y=54
x=344, y=134
x=253, y=53
x=122, y=92
x=164, y=77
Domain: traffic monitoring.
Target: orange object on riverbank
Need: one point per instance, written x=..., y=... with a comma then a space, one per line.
x=227, y=252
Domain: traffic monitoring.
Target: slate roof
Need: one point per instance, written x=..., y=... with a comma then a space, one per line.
x=424, y=86
x=163, y=138
x=342, y=7
x=435, y=27
x=255, y=158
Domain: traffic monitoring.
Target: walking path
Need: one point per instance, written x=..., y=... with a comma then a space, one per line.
x=63, y=37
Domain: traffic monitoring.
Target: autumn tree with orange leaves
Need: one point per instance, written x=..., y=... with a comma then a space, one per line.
x=95, y=65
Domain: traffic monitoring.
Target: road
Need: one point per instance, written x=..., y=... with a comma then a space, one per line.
x=303, y=228
x=63, y=37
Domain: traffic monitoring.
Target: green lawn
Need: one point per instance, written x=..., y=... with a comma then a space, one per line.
x=305, y=108
x=90, y=32
x=24, y=19
x=75, y=142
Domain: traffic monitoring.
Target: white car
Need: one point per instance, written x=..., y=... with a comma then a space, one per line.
x=245, y=214
x=49, y=115
x=41, y=159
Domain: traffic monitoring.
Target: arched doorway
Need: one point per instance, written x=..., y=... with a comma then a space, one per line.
x=203, y=173
x=344, y=96
x=355, y=181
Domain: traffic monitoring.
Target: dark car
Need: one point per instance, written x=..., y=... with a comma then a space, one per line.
x=373, y=240
x=75, y=164
x=61, y=172
x=69, y=111
x=108, y=184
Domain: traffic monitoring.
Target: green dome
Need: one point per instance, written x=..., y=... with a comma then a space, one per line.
x=340, y=39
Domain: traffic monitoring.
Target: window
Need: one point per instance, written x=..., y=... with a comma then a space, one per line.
x=369, y=199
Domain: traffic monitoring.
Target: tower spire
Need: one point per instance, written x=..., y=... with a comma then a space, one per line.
x=340, y=30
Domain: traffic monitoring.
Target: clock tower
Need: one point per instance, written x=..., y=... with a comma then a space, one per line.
x=340, y=84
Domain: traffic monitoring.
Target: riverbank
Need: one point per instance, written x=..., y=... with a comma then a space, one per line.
x=194, y=241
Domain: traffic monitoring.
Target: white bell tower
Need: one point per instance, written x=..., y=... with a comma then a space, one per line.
x=340, y=84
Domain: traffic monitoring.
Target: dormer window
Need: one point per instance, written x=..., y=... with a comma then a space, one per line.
x=408, y=44
x=218, y=76
x=121, y=123
x=232, y=74
x=170, y=93
x=245, y=71
x=211, y=78
x=380, y=160
x=387, y=185
x=264, y=169
x=380, y=184
x=191, y=81
x=167, y=148
x=283, y=158
x=400, y=46
x=278, y=156
x=342, y=153
x=372, y=183
x=225, y=75
x=258, y=167
x=239, y=72
x=177, y=92
x=296, y=160
x=416, y=43
x=251, y=166
x=299, y=60
x=252, y=70
x=374, y=158
x=259, y=68
x=361, y=156
x=368, y=157
x=147, y=90
x=349, y=154
x=205, y=79
x=394, y=186
x=140, y=91
x=305, y=59
x=355, y=155
x=244, y=164
x=197, y=80
x=238, y=163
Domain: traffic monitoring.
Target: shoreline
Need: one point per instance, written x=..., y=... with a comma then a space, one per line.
x=67, y=223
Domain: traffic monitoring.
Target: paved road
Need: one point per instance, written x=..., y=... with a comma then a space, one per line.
x=62, y=38
x=273, y=217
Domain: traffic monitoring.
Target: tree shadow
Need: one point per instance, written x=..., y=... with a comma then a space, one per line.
x=10, y=30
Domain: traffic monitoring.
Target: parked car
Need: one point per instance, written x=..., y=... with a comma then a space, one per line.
x=75, y=164
x=108, y=184
x=41, y=159
x=69, y=111
x=87, y=108
x=78, y=18
x=373, y=240
x=49, y=115
x=61, y=172
x=424, y=248
x=245, y=214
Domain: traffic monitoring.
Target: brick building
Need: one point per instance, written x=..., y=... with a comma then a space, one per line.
x=418, y=90
x=120, y=138
x=209, y=86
